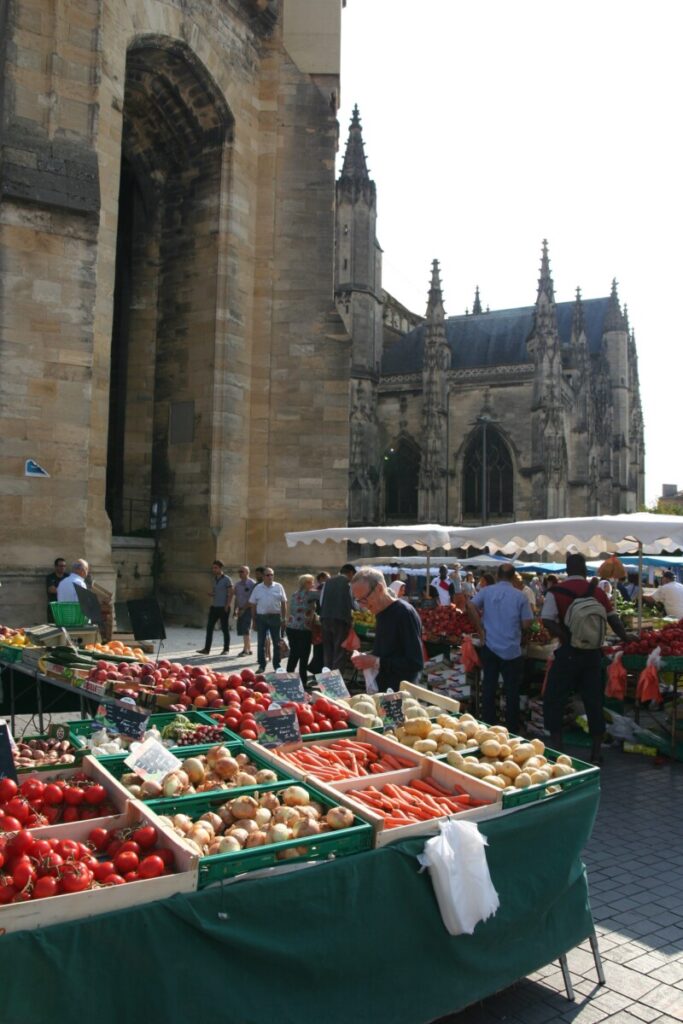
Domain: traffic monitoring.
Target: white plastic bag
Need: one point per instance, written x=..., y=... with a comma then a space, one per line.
x=456, y=859
x=370, y=676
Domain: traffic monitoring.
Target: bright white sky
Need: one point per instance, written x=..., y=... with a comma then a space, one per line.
x=490, y=125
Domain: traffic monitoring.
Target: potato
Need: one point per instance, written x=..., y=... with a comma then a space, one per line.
x=455, y=759
x=411, y=714
x=564, y=759
x=511, y=769
x=504, y=751
x=522, y=781
x=447, y=721
x=420, y=727
x=490, y=748
x=497, y=780
x=522, y=753
x=560, y=770
x=449, y=736
x=501, y=729
x=485, y=734
x=470, y=729
x=538, y=745
x=444, y=748
x=425, y=746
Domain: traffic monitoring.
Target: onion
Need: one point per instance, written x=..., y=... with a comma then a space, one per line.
x=150, y=789
x=256, y=839
x=213, y=819
x=309, y=812
x=306, y=827
x=262, y=816
x=278, y=833
x=136, y=791
x=173, y=785
x=226, y=767
x=244, y=779
x=194, y=768
x=249, y=825
x=339, y=817
x=183, y=822
x=270, y=801
x=285, y=815
x=240, y=834
x=243, y=807
x=226, y=815
x=295, y=796
x=266, y=775
x=228, y=844
x=242, y=759
x=216, y=753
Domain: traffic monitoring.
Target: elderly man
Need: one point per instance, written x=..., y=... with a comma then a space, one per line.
x=669, y=595
x=268, y=603
x=66, y=591
x=397, y=650
x=504, y=611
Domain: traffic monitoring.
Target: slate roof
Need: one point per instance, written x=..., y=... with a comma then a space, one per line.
x=497, y=338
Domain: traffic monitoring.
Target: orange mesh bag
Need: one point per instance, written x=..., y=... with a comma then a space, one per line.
x=616, y=679
x=352, y=642
x=612, y=569
x=470, y=658
x=648, y=680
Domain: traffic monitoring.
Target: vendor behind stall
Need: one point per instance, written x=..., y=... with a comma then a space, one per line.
x=397, y=649
x=669, y=595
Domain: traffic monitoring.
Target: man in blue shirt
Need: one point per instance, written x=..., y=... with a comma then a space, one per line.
x=499, y=614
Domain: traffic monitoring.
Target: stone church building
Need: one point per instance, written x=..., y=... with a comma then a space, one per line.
x=508, y=414
x=188, y=326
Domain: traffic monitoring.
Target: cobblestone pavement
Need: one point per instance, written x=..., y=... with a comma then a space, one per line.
x=635, y=874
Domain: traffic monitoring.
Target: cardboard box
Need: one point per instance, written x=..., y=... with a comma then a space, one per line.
x=33, y=914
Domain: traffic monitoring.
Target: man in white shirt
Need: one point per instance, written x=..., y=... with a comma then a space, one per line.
x=670, y=595
x=268, y=603
x=66, y=591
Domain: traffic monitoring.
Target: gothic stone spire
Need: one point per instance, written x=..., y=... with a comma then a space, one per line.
x=354, y=177
x=578, y=319
x=435, y=310
x=544, y=333
x=614, y=318
x=476, y=305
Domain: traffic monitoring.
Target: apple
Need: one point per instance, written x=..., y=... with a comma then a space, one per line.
x=248, y=675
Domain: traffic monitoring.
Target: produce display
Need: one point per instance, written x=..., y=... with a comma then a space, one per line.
x=509, y=762
x=181, y=732
x=669, y=640
x=33, y=803
x=260, y=819
x=536, y=634
x=367, y=710
x=35, y=868
x=342, y=759
x=322, y=715
x=118, y=649
x=441, y=735
x=363, y=618
x=202, y=773
x=415, y=801
x=42, y=752
x=14, y=637
x=444, y=622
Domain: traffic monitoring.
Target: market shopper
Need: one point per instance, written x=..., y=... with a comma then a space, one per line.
x=52, y=581
x=301, y=606
x=499, y=613
x=221, y=599
x=268, y=603
x=241, y=610
x=316, y=664
x=335, y=615
x=66, y=589
x=397, y=648
x=669, y=595
x=442, y=588
x=575, y=668
x=468, y=587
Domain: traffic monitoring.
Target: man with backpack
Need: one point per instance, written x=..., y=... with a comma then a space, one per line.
x=577, y=612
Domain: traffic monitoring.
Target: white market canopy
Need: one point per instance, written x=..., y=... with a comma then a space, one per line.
x=590, y=535
x=427, y=537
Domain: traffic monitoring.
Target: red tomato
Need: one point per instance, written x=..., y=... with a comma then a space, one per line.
x=129, y=844
x=53, y=794
x=23, y=873
x=232, y=723
x=10, y=824
x=151, y=867
x=145, y=836
x=305, y=730
x=50, y=864
x=7, y=889
x=73, y=796
x=2, y=858
x=95, y=795
x=250, y=705
x=166, y=856
x=51, y=814
x=98, y=838
x=305, y=716
x=113, y=879
x=68, y=848
x=104, y=868
x=32, y=789
x=70, y=814
x=41, y=848
x=18, y=808
x=44, y=887
x=8, y=789
x=326, y=725
x=23, y=842
x=76, y=878
x=248, y=734
x=125, y=861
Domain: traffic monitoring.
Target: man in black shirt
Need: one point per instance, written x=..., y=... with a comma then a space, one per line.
x=397, y=650
x=52, y=581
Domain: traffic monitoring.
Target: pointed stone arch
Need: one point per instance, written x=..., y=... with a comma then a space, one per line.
x=487, y=455
x=400, y=477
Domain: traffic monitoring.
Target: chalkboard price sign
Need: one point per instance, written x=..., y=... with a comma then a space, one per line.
x=278, y=727
x=7, y=768
x=331, y=684
x=285, y=686
x=127, y=721
x=152, y=760
x=391, y=708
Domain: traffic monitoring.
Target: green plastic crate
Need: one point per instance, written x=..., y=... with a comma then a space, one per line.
x=51, y=767
x=584, y=775
x=10, y=654
x=340, y=843
x=335, y=734
x=81, y=729
x=67, y=613
x=114, y=764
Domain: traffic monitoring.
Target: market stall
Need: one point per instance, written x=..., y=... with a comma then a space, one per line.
x=360, y=937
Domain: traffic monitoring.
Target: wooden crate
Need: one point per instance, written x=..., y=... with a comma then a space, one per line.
x=441, y=773
x=33, y=914
x=448, y=705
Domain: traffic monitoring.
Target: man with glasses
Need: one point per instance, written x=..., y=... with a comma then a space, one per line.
x=52, y=581
x=242, y=611
x=397, y=651
x=268, y=603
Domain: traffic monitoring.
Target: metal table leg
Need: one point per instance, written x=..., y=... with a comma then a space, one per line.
x=567, y=978
x=593, y=939
x=39, y=702
x=12, y=706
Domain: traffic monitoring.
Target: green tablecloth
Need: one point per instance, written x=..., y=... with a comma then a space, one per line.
x=360, y=939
